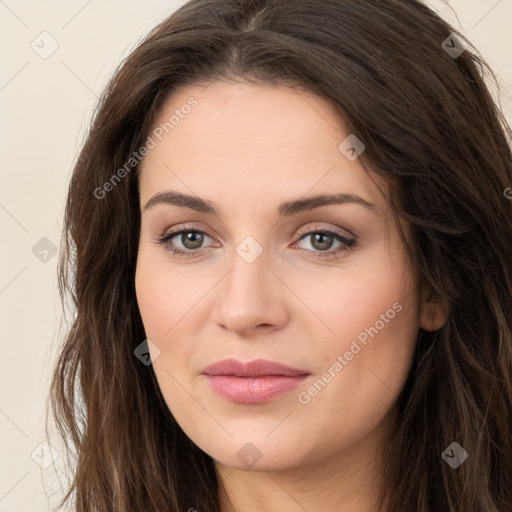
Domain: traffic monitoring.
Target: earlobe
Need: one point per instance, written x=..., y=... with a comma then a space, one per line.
x=434, y=312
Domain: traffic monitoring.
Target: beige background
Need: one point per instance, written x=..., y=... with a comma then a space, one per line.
x=46, y=105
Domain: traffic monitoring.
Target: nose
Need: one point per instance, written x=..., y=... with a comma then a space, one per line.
x=251, y=297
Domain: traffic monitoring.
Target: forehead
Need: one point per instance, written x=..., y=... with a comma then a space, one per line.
x=244, y=140
x=240, y=112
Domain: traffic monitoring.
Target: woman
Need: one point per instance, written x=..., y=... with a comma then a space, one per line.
x=289, y=245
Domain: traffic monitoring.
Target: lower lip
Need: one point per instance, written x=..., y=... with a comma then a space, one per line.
x=257, y=390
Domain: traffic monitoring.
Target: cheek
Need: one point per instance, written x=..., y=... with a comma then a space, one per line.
x=172, y=302
x=372, y=302
x=164, y=296
x=372, y=305
x=376, y=319
x=155, y=299
x=374, y=297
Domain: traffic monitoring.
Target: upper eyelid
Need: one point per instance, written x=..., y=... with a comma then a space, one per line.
x=333, y=230
x=301, y=233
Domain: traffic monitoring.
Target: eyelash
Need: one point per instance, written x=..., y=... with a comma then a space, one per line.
x=348, y=243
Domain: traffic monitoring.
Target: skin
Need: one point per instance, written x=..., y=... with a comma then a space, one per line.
x=248, y=148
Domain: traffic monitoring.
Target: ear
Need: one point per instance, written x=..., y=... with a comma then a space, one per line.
x=433, y=310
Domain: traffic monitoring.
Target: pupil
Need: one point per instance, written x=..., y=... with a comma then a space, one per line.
x=188, y=238
x=322, y=246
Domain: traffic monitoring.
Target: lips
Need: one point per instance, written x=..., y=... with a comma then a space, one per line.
x=256, y=368
x=255, y=382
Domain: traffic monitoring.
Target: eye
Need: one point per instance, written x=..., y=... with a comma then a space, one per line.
x=322, y=240
x=190, y=240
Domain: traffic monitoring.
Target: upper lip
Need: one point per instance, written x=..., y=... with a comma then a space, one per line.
x=256, y=368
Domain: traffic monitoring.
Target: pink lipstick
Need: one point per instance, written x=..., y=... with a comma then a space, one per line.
x=254, y=382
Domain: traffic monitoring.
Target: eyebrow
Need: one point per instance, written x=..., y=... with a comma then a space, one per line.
x=285, y=209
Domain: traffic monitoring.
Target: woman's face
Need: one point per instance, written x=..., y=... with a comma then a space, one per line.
x=323, y=286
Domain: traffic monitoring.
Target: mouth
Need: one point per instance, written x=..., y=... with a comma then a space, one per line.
x=253, y=383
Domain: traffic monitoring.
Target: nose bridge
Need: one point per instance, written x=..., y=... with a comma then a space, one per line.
x=248, y=281
x=250, y=296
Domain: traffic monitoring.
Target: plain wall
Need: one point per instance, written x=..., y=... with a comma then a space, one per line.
x=46, y=105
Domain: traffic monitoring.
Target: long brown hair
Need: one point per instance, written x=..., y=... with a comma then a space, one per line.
x=429, y=124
